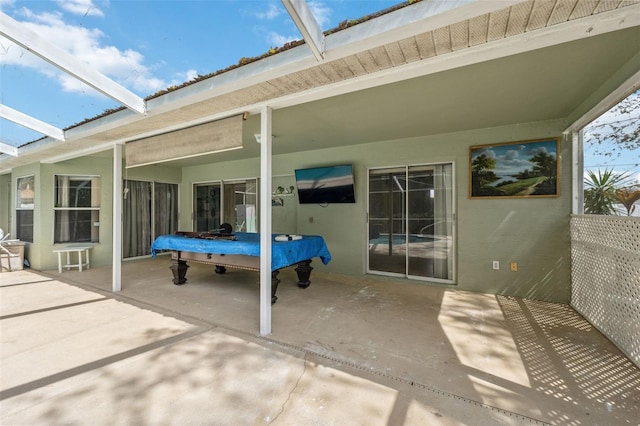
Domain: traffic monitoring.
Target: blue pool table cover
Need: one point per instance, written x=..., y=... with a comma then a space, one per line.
x=283, y=253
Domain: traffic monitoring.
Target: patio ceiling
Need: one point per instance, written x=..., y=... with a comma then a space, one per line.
x=416, y=71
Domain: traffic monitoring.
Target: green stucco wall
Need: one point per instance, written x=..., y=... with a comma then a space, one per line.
x=532, y=232
x=155, y=173
x=40, y=252
x=5, y=202
x=31, y=169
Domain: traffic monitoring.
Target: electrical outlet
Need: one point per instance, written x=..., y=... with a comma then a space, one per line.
x=496, y=265
x=514, y=266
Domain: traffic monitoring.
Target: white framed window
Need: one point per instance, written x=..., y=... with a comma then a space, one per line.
x=77, y=209
x=25, y=204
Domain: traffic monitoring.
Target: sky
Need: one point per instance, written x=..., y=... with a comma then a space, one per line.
x=622, y=162
x=146, y=46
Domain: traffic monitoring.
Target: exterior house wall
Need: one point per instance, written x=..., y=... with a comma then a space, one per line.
x=284, y=217
x=155, y=173
x=31, y=169
x=5, y=202
x=532, y=232
x=40, y=252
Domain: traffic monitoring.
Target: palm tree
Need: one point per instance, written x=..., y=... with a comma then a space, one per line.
x=599, y=195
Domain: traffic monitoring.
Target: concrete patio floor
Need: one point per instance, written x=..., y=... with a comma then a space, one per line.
x=345, y=351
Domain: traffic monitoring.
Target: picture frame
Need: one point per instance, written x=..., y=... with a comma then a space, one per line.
x=523, y=169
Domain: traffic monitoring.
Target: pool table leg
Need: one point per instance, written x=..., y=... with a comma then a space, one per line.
x=274, y=285
x=304, y=272
x=179, y=269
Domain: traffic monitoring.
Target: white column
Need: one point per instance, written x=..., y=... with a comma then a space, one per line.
x=265, y=221
x=116, y=281
x=577, y=172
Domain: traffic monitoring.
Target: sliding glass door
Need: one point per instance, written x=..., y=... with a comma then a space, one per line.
x=411, y=222
x=233, y=202
x=149, y=209
x=387, y=202
x=207, y=200
x=240, y=205
x=165, y=208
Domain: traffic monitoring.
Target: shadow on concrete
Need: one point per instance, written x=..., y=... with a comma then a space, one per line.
x=365, y=347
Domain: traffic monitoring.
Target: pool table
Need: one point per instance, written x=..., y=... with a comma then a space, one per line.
x=242, y=251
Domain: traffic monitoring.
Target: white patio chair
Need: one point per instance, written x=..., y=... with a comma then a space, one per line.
x=5, y=253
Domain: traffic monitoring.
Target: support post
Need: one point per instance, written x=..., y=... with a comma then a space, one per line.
x=577, y=145
x=265, y=221
x=116, y=240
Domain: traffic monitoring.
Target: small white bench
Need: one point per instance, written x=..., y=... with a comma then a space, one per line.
x=70, y=249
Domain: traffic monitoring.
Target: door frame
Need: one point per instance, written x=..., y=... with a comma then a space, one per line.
x=221, y=184
x=454, y=217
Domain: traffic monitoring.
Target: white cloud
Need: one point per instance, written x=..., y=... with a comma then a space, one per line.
x=278, y=40
x=80, y=7
x=271, y=13
x=84, y=44
x=190, y=75
x=6, y=3
x=184, y=77
x=321, y=12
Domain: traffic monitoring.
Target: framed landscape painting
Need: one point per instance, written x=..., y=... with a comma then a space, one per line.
x=514, y=169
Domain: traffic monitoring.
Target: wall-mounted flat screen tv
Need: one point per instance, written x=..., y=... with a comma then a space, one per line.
x=326, y=185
